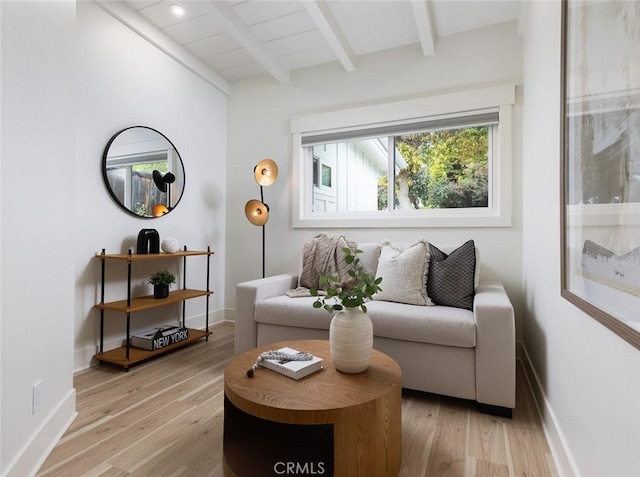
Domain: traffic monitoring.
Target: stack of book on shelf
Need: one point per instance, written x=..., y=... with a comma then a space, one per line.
x=160, y=337
x=293, y=369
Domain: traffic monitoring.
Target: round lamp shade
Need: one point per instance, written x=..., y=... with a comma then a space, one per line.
x=257, y=213
x=159, y=210
x=266, y=172
x=161, y=181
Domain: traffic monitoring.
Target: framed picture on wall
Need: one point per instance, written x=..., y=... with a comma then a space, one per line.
x=600, y=141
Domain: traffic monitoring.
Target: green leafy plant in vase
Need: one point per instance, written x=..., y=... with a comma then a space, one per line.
x=337, y=298
x=351, y=331
x=162, y=281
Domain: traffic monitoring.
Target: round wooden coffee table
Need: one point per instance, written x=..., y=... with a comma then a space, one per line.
x=327, y=423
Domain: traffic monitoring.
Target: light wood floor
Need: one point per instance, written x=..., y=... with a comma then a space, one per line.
x=164, y=419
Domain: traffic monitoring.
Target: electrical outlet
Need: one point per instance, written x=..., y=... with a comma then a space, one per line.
x=36, y=397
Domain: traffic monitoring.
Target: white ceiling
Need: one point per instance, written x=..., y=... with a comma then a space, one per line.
x=239, y=39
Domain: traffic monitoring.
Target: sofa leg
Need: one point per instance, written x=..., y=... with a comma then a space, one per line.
x=495, y=410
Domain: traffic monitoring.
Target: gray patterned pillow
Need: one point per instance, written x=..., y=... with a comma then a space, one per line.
x=451, y=277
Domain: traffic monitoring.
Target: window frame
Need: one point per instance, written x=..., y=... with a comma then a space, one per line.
x=461, y=104
x=127, y=163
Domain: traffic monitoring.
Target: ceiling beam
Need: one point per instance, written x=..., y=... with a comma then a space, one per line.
x=241, y=32
x=331, y=31
x=141, y=26
x=422, y=16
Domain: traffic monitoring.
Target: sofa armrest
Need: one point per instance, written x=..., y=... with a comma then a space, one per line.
x=495, y=346
x=247, y=295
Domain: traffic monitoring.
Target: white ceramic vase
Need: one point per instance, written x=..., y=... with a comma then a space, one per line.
x=351, y=340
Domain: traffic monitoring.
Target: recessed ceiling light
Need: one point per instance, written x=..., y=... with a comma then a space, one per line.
x=176, y=10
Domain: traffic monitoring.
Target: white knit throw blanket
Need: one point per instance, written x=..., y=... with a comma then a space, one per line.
x=323, y=255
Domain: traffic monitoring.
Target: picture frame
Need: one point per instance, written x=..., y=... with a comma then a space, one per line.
x=600, y=162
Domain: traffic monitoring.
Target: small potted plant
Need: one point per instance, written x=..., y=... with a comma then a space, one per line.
x=351, y=330
x=161, y=281
x=338, y=298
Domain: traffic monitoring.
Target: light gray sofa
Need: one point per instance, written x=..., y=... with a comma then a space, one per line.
x=457, y=352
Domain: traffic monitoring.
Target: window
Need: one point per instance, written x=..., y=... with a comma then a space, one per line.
x=131, y=180
x=451, y=168
x=429, y=169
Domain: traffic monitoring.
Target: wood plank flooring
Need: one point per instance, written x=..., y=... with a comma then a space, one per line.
x=164, y=419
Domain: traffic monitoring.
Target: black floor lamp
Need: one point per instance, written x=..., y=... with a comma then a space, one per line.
x=257, y=212
x=163, y=182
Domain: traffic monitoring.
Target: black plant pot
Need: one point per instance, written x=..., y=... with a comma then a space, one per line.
x=160, y=291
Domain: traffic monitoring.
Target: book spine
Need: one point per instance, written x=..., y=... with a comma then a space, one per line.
x=159, y=343
x=176, y=337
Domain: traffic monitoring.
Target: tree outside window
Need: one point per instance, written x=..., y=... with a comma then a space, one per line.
x=441, y=169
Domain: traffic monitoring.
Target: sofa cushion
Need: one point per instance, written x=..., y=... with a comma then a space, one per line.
x=451, y=280
x=424, y=324
x=369, y=256
x=403, y=269
x=442, y=325
x=287, y=311
x=448, y=249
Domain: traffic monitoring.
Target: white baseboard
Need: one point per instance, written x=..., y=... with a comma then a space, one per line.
x=198, y=321
x=230, y=314
x=36, y=451
x=562, y=458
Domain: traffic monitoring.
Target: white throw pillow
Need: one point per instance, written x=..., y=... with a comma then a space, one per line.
x=404, y=270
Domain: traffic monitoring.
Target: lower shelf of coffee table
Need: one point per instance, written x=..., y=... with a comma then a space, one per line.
x=119, y=355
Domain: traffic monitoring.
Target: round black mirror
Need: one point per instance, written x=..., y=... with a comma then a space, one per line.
x=143, y=172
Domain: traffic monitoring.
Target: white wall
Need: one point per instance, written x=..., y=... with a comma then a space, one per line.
x=122, y=80
x=589, y=376
x=72, y=76
x=258, y=123
x=38, y=226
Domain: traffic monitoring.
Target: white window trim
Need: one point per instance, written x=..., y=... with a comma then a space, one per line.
x=497, y=215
